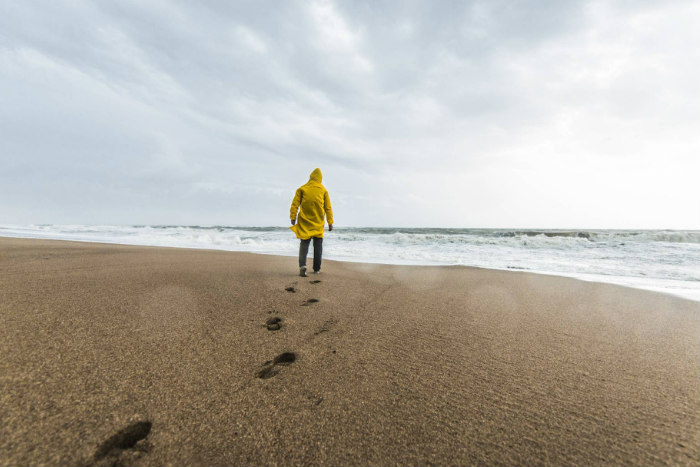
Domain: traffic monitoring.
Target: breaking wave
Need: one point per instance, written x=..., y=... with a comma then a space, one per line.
x=664, y=260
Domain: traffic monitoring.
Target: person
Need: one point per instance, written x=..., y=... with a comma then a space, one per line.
x=312, y=202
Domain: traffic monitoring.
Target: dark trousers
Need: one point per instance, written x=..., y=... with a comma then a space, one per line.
x=304, y=250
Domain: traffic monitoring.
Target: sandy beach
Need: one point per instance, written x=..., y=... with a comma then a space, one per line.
x=122, y=355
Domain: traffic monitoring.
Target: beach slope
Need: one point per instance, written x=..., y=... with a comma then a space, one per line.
x=154, y=356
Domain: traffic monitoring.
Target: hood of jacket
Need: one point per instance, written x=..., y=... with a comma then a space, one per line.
x=316, y=176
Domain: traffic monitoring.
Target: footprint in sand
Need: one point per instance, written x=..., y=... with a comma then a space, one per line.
x=309, y=301
x=270, y=368
x=327, y=325
x=124, y=439
x=317, y=281
x=290, y=289
x=315, y=399
x=273, y=324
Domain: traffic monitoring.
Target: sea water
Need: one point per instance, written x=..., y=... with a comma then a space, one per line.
x=661, y=260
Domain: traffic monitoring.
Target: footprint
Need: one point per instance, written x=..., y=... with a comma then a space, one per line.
x=285, y=358
x=290, y=289
x=317, y=281
x=314, y=399
x=326, y=326
x=270, y=368
x=273, y=324
x=126, y=438
x=267, y=372
x=309, y=301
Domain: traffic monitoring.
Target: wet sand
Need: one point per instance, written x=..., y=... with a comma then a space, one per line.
x=155, y=356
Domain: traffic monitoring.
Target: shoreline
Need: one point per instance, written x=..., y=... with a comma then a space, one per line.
x=693, y=296
x=372, y=365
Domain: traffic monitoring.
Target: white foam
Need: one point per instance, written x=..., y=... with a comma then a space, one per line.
x=666, y=261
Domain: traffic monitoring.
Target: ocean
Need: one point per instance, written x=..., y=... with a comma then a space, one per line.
x=661, y=260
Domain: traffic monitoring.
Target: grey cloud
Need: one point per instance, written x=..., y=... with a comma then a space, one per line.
x=191, y=109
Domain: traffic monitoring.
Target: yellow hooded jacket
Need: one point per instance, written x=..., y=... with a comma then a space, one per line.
x=314, y=202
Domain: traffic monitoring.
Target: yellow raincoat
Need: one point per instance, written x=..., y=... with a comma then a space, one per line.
x=314, y=202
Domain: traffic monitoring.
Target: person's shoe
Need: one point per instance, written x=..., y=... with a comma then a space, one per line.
x=302, y=271
x=317, y=272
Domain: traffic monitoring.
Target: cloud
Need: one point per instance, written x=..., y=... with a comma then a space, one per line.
x=420, y=113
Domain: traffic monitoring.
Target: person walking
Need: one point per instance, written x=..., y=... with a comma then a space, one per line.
x=312, y=203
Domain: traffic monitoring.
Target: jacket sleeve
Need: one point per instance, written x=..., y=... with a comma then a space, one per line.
x=328, y=208
x=295, y=204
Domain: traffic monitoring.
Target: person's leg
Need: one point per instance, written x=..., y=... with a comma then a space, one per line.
x=303, y=252
x=318, y=251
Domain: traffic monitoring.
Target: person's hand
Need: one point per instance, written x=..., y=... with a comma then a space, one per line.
x=330, y=227
x=294, y=221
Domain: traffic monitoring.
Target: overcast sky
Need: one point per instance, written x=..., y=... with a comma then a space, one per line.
x=436, y=113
